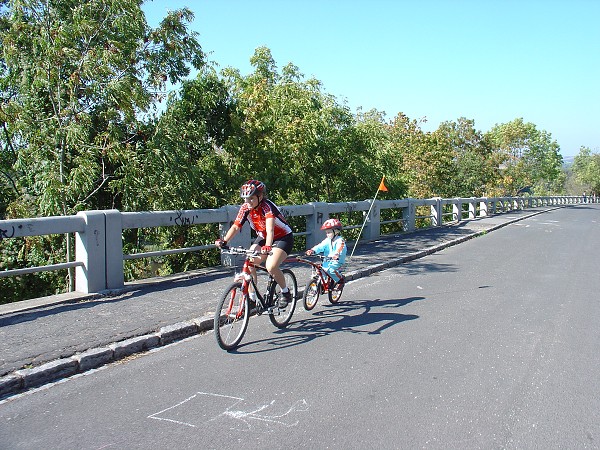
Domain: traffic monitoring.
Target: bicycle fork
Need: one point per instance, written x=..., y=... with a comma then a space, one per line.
x=240, y=306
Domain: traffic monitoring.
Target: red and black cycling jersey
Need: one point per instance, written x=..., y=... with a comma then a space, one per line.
x=258, y=216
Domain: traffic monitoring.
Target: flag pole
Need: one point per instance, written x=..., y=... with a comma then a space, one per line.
x=381, y=187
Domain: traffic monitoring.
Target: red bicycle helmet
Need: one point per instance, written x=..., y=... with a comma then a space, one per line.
x=332, y=223
x=252, y=187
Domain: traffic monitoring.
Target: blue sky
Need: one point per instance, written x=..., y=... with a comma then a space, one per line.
x=487, y=60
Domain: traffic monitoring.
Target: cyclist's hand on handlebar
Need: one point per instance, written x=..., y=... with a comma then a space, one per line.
x=266, y=249
x=310, y=251
x=336, y=257
x=220, y=243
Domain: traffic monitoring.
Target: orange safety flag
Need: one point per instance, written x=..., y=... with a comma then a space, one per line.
x=382, y=185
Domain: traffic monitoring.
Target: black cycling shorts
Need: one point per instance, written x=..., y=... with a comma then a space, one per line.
x=286, y=243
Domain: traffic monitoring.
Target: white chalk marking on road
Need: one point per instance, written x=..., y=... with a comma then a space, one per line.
x=237, y=414
x=299, y=405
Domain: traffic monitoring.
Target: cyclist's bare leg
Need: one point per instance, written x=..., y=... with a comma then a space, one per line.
x=273, y=263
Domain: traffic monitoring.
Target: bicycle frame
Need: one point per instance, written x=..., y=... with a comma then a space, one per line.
x=319, y=271
x=245, y=276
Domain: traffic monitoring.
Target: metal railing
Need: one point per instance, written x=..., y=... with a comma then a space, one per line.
x=99, y=253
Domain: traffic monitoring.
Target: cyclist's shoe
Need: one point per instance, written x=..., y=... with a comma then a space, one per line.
x=284, y=299
x=337, y=283
x=251, y=304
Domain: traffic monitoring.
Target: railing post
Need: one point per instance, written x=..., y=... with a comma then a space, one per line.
x=90, y=246
x=313, y=224
x=483, y=208
x=472, y=208
x=115, y=278
x=457, y=210
x=242, y=239
x=436, y=212
x=408, y=215
x=373, y=222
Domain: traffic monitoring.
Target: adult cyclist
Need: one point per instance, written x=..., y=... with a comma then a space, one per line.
x=273, y=233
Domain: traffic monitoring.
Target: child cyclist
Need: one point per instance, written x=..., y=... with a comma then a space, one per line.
x=333, y=247
x=274, y=234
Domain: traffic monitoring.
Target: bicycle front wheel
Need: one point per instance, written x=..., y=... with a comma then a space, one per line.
x=281, y=317
x=311, y=293
x=231, y=317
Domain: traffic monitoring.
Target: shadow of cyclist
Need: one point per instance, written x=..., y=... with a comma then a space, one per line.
x=337, y=318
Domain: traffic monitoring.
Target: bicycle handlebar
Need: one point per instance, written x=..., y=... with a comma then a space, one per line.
x=242, y=251
x=323, y=257
x=315, y=255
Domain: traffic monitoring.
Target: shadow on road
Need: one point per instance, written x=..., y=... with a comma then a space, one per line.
x=13, y=319
x=336, y=318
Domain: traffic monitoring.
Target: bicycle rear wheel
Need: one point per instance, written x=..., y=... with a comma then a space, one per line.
x=311, y=293
x=281, y=317
x=231, y=317
x=336, y=292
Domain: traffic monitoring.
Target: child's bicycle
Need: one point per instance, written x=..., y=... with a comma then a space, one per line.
x=234, y=310
x=320, y=283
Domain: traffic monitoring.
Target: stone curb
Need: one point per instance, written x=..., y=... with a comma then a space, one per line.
x=25, y=379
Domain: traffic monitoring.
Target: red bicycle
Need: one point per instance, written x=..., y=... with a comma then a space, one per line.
x=233, y=310
x=321, y=283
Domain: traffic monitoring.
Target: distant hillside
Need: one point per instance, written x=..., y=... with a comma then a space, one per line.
x=568, y=161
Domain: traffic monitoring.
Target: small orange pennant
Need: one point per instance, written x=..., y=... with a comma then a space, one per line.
x=382, y=185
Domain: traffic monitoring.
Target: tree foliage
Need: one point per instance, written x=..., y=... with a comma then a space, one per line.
x=287, y=122
x=586, y=168
x=527, y=156
x=75, y=77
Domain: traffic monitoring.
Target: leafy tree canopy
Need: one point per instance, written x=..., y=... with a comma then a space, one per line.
x=528, y=157
x=586, y=168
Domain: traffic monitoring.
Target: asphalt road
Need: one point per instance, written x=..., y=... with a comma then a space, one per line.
x=489, y=344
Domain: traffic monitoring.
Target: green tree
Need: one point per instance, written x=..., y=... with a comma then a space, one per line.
x=528, y=157
x=474, y=170
x=180, y=151
x=382, y=155
x=76, y=76
x=586, y=168
x=426, y=157
x=290, y=134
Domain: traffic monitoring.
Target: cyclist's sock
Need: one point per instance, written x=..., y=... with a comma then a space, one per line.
x=284, y=290
x=252, y=296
